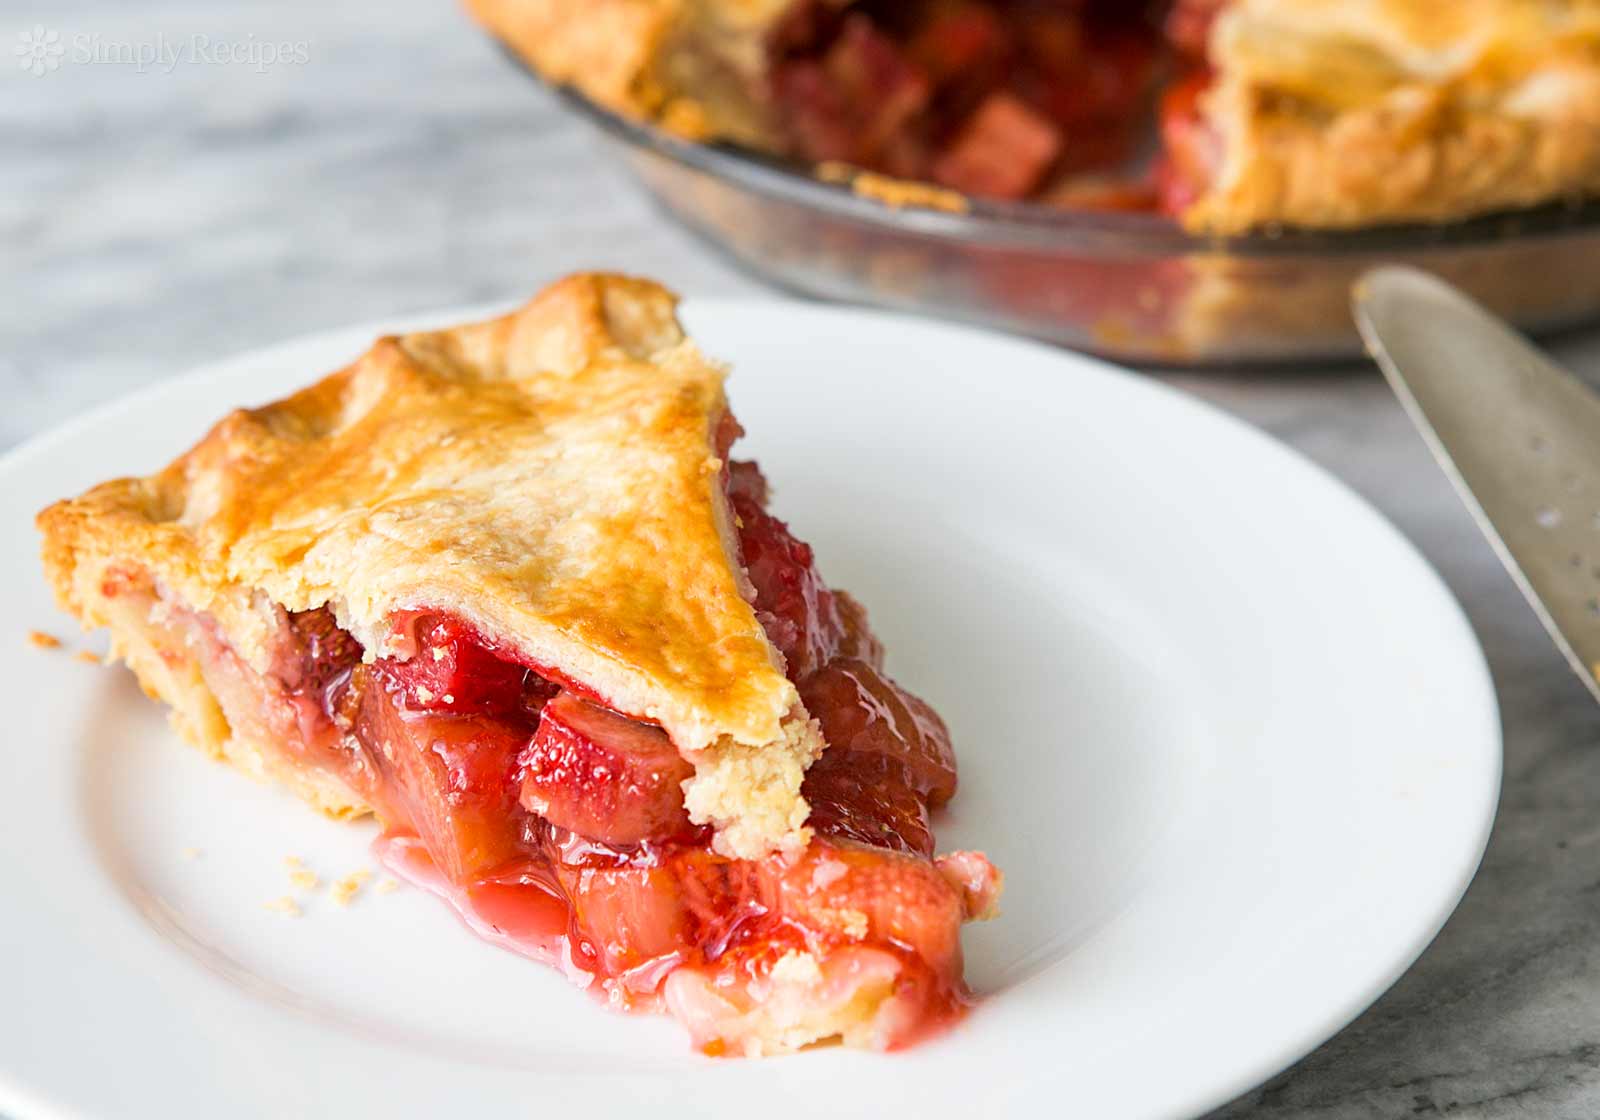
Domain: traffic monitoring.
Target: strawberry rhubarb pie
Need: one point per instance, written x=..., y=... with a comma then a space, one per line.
x=1227, y=115
x=502, y=587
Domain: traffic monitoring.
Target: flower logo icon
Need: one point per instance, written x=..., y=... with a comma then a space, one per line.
x=39, y=51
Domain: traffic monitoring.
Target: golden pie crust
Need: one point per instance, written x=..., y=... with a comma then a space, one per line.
x=549, y=476
x=696, y=67
x=1347, y=113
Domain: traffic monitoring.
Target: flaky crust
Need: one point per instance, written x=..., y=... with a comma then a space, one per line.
x=1346, y=113
x=548, y=476
x=695, y=67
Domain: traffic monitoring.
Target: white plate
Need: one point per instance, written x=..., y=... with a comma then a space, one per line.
x=1230, y=738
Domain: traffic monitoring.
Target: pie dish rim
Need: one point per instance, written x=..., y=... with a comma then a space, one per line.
x=1051, y=227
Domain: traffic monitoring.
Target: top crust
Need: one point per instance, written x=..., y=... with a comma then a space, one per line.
x=1345, y=113
x=548, y=476
x=696, y=67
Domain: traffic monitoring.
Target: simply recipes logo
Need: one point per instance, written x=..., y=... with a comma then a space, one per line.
x=41, y=50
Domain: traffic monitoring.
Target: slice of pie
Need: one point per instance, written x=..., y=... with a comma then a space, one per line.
x=1313, y=113
x=501, y=586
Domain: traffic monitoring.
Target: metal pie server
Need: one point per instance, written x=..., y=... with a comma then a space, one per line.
x=1518, y=435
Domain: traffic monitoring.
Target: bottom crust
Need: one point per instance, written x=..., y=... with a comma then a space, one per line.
x=214, y=711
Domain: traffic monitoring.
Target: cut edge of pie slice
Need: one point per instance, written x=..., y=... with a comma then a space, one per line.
x=501, y=586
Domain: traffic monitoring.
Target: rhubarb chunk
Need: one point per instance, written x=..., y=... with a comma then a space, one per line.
x=1003, y=151
x=604, y=776
x=451, y=777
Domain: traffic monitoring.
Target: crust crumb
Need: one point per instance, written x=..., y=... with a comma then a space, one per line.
x=796, y=967
x=896, y=194
x=303, y=879
x=345, y=890
x=753, y=796
x=980, y=882
x=88, y=657
x=827, y=872
x=386, y=886
x=293, y=862
x=40, y=640
x=344, y=893
x=283, y=905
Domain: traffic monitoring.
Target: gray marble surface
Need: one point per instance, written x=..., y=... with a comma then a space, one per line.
x=154, y=220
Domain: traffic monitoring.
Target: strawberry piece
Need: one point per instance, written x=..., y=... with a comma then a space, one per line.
x=452, y=670
x=863, y=712
x=726, y=901
x=794, y=605
x=807, y=622
x=450, y=777
x=690, y=904
x=847, y=104
x=747, y=486
x=867, y=800
x=838, y=889
x=604, y=776
x=1097, y=104
x=1003, y=150
x=832, y=892
x=884, y=88
x=628, y=915
x=991, y=99
x=1101, y=79
x=888, y=759
x=819, y=119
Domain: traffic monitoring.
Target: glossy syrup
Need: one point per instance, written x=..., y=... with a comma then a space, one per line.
x=453, y=749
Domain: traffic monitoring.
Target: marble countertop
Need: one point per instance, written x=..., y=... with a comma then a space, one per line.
x=394, y=162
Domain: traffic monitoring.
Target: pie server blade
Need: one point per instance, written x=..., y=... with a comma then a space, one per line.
x=1517, y=435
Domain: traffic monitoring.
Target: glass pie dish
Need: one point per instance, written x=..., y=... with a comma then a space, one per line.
x=1129, y=286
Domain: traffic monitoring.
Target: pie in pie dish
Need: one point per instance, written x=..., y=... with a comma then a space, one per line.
x=501, y=586
x=1326, y=114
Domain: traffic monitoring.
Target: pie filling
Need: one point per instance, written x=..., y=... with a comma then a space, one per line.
x=556, y=826
x=1005, y=99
